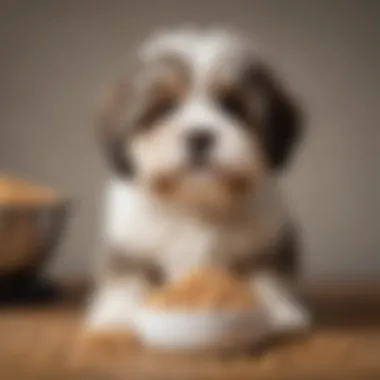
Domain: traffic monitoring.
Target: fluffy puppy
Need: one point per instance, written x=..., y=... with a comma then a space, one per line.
x=195, y=134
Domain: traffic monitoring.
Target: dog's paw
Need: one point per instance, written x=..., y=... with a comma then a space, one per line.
x=285, y=312
x=112, y=308
x=290, y=318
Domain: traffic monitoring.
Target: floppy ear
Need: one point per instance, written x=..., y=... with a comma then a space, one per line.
x=112, y=130
x=281, y=117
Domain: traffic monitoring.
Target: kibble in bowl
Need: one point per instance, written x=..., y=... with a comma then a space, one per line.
x=210, y=290
x=206, y=310
x=32, y=220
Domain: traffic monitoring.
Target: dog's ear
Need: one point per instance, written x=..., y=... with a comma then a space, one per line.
x=281, y=117
x=112, y=130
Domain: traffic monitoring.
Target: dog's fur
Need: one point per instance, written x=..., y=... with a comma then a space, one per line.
x=169, y=208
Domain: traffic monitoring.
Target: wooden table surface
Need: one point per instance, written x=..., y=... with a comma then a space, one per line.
x=45, y=343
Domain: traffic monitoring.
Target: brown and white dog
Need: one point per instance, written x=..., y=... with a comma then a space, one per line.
x=196, y=135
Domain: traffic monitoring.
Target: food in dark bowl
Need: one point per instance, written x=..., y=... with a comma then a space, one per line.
x=32, y=221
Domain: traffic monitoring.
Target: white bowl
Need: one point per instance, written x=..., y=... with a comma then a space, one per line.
x=201, y=330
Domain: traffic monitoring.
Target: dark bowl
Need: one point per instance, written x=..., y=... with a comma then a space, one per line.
x=28, y=236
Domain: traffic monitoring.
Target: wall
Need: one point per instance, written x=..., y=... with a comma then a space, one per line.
x=57, y=55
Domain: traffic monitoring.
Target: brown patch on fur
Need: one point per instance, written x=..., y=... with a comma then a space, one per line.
x=131, y=105
x=235, y=97
x=164, y=83
x=212, y=200
x=238, y=184
x=172, y=74
x=163, y=185
x=253, y=95
x=111, y=126
x=283, y=259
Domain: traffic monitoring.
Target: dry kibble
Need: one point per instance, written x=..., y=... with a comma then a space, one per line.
x=20, y=230
x=16, y=192
x=205, y=289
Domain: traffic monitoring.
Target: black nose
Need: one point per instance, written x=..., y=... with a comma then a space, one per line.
x=199, y=142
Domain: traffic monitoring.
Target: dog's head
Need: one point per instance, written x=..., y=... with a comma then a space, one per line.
x=201, y=120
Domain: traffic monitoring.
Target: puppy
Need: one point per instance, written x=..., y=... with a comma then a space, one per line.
x=195, y=134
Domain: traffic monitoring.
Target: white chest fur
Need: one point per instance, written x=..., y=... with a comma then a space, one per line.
x=137, y=224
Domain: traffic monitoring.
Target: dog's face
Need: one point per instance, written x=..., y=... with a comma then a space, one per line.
x=201, y=122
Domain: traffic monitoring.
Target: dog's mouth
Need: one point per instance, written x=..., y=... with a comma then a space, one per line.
x=202, y=174
x=199, y=163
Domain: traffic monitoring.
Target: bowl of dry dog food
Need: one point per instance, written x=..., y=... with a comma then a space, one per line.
x=209, y=309
x=32, y=220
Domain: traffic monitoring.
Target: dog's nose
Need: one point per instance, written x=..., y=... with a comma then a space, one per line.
x=199, y=142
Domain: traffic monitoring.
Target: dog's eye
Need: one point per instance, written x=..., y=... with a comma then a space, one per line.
x=161, y=109
x=157, y=111
x=233, y=105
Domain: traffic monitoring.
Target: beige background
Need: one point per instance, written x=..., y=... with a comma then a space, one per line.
x=57, y=55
